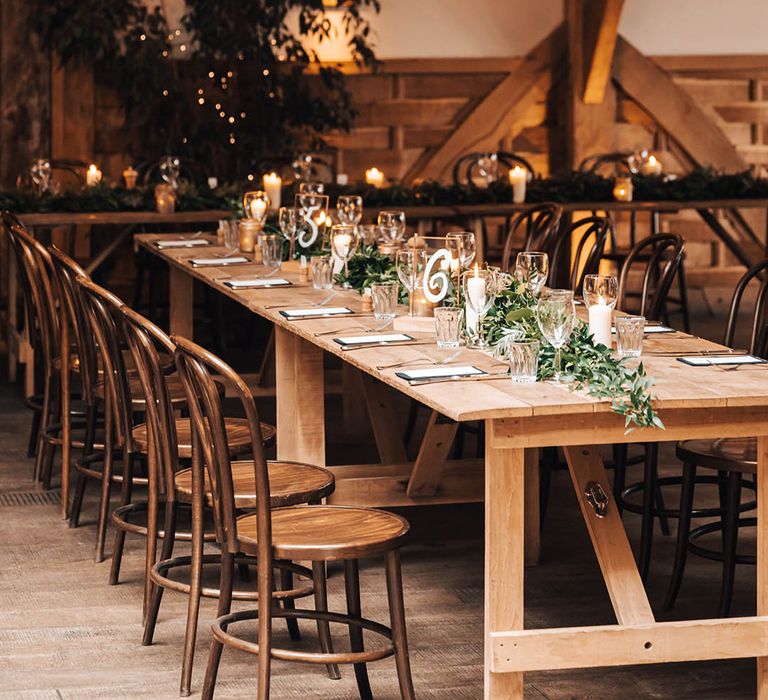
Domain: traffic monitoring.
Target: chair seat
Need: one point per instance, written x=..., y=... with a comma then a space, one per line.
x=326, y=532
x=238, y=436
x=726, y=454
x=290, y=483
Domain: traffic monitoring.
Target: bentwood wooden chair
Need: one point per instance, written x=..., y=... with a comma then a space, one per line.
x=575, y=251
x=486, y=167
x=734, y=459
x=294, y=533
x=534, y=227
x=166, y=440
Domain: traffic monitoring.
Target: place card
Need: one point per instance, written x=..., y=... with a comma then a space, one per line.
x=182, y=243
x=317, y=312
x=219, y=262
x=440, y=373
x=709, y=360
x=380, y=339
x=257, y=283
x=652, y=329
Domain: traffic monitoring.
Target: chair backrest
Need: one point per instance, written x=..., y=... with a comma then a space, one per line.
x=613, y=161
x=758, y=343
x=536, y=225
x=102, y=310
x=34, y=265
x=73, y=321
x=662, y=255
x=578, y=247
x=469, y=166
x=195, y=366
x=11, y=223
x=146, y=341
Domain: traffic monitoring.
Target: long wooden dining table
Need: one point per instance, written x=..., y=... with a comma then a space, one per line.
x=693, y=402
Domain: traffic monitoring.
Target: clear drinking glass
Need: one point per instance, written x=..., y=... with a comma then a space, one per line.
x=532, y=269
x=344, y=242
x=322, y=271
x=349, y=209
x=410, y=264
x=287, y=218
x=391, y=225
x=629, y=335
x=384, y=297
x=524, y=360
x=311, y=188
x=231, y=231
x=447, y=326
x=272, y=251
x=556, y=315
x=480, y=292
x=467, y=247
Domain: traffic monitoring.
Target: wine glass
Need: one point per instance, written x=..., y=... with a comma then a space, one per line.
x=392, y=225
x=480, y=292
x=170, y=169
x=532, y=268
x=255, y=205
x=467, y=247
x=410, y=264
x=601, y=290
x=287, y=219
x=349, y=209
x=311, y=188
x=344, y=242
x=556, y=315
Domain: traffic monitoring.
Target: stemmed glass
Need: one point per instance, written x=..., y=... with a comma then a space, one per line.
x=410, y=266
x=480, y=292
x=601, y=290
x=556, y=315
x=349, y=209
x=467, y=249
x=344, y=242
x=392, y=225
x=532, y=269
x=311, y=188
x=287, y=218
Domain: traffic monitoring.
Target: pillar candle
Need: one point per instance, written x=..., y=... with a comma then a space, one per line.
x=374, y=176
x=273, y=185
x=93, y=176
x=600, y=323
x=518, y=178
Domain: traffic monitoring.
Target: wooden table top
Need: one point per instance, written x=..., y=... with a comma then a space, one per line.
x=676, y=384
x=120, y=218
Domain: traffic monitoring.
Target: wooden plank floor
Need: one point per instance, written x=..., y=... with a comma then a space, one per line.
x=65, y=634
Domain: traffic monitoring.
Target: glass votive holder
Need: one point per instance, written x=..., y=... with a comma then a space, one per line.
x=629, y=335
x=272, y=251
x=322, y=271
x=384, y=298
x=448, y=326
x=230, y=230
x=524, y=360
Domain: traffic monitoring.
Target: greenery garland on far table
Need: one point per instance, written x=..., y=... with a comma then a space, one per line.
x=589, y=366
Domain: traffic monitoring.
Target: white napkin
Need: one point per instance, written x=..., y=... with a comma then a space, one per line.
x=216, y=262
x=319, y=311
x=257, y=282
x=373, y=339
x=182, y=243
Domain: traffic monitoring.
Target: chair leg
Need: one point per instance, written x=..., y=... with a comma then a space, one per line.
x=286, y=583
x=226, y=575
x=106, y=485
x=397, y=621
x=323, y=627
x=77, y=501
x=169, y=530
x=619, y=473
x=34, y=432
x=683, y=532
x=352, y=589
x=125, y=499
x=150, y=557
x=91, y=418
x=66, y=440
x=731, y=527
x=663, y=519
x=193, y=606
x=45, y=419
x=649, y=500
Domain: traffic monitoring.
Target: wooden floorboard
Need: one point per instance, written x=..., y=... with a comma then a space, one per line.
x=67, y=635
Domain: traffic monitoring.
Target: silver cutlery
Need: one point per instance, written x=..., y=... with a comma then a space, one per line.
x=363, y=346
x=424, y=361
x=470, y=378
x=358, y=327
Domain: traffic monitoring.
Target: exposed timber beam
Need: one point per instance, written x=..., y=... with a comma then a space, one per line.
x=601, y=26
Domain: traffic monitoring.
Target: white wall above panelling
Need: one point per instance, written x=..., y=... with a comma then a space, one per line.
x=661, y=27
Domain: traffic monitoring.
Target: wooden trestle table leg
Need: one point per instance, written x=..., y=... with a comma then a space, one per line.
x=300, y=393
x=504, y=556
x=181, y=302
x=762, y=555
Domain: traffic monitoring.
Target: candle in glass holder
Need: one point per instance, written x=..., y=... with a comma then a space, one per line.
x=476, y=291
x=652, y=165
x=93, y=175
x=249, y=232
x=622, y=189
x=165, y=199
x=600, y=323
x=518, y=178
x=273, y=185
x=130, y=175
x=374, y=176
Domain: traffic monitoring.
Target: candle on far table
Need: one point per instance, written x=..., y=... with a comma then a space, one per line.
x=130, y=175
x=623, y=189
x=273, y=185
x=518, y=178
x=93, y=175
x=600, y=323
x=652, y=166
x=374, y=176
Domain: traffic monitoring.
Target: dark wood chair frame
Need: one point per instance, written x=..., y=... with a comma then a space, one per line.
x=539, y=222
